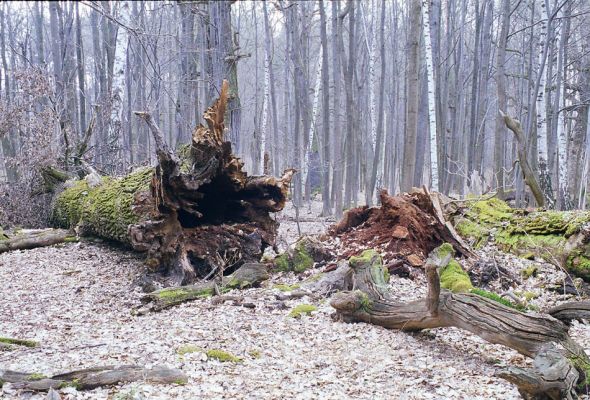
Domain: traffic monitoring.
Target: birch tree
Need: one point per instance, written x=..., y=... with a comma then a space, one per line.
x=431, y=95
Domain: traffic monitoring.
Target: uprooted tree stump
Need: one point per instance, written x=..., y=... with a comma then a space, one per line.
x=404, y=229
x=195, y=213
x=559, y=237
x=560, y=365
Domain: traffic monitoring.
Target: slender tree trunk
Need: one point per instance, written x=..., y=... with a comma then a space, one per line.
x=431, y=96
x=413, y=96
x=325, y=148
x=337, y=78
x=500, y=135
x=380, y=112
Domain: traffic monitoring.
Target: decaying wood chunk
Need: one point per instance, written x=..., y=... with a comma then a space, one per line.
x=404, y=229
x=561, y=238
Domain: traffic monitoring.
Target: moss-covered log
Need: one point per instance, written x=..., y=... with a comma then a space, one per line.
x=31, y=238
x=559, y=237
x=560, y=364
x=194, y=213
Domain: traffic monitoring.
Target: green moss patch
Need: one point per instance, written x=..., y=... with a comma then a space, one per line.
x=222, y=356
x=497, y=298
x=286, y=288
x=529, y=271
x=36, y=377
x=297, y=259
x=302, y=309
x=173, y=295
x=454, y=278
x=188, y=349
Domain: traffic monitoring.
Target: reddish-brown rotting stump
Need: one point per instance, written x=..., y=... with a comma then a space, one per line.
x=403, y=229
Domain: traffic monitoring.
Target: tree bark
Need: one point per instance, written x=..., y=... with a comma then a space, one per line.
x=560, y=238
x=248, y=275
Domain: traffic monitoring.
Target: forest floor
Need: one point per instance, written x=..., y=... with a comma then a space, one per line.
x=75, y=299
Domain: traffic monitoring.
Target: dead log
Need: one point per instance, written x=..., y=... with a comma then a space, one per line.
x=196, y=212
x=248, y=275
x=31, y=238
x=91, y=378
x=559, y=237
x=560, y=364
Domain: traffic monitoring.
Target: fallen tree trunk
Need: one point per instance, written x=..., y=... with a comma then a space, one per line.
x=559, y=363
x=32, y=238
x=92, y=378
x=196, y=212
x=559, y=237
x=248, y=275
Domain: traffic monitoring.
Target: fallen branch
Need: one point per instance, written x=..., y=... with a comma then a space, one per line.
x=250, y=274
x=19, y=342
x=32, y=238
x=88, y=379
x=527, y=171
x=559, y=362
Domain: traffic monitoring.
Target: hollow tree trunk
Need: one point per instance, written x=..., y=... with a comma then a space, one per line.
x=559, y=362
x=196, y=212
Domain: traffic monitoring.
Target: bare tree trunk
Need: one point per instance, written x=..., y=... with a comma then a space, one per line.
x=413, y=96
x=500, y=135
x=431, y=96
x=325, y=148
x=224, y=59
x=348, y=84
x=337, y=76
x=81, y=73
x=380, y=112
x=275, y=148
